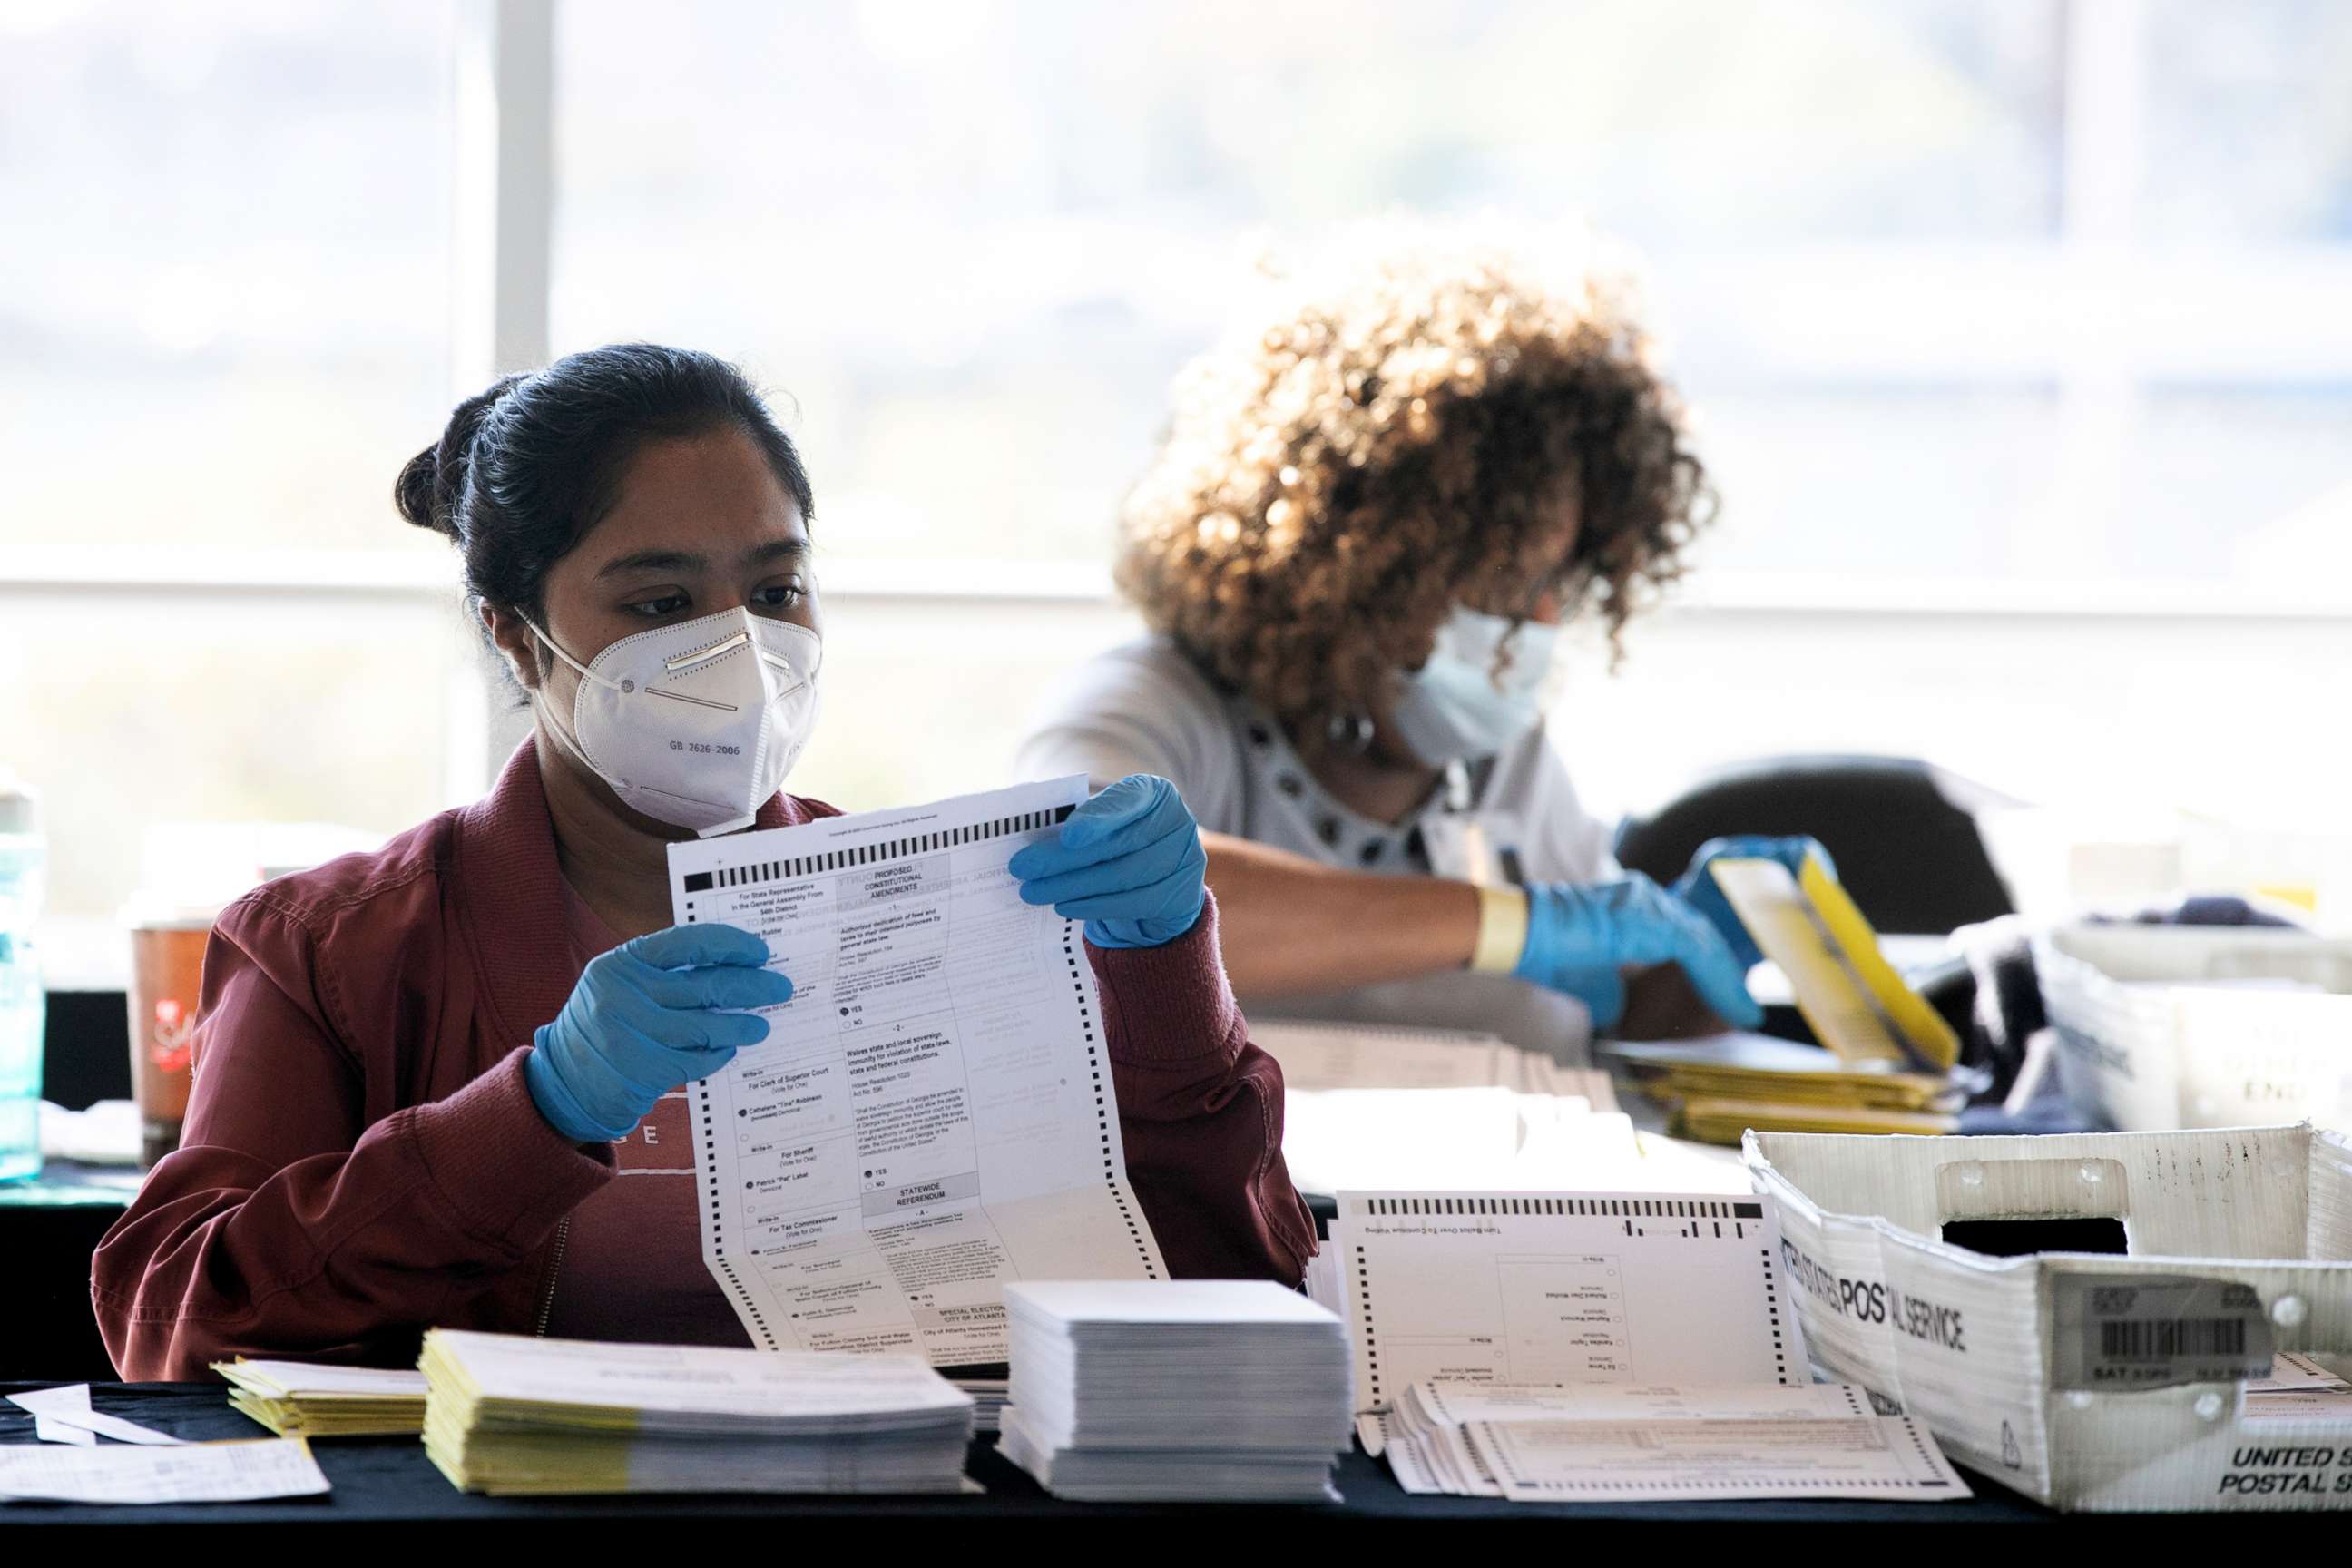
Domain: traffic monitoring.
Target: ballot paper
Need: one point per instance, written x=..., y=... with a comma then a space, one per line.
x=1384, y=1106
x=1890, y=1457
x=1338, y=1139
x=512, y=1414
x=1426, y=1437
x=1659, y=1441
x=931, y=1115
x=689, y=1388
x=184, y=1472
x=1324, y=1287
x=305, y=1398
x=306, y=1378
x=2298, y=1389
x=1562, y=1287
x=1341, y=1056
x=988, y=1398
x=1200, y=1390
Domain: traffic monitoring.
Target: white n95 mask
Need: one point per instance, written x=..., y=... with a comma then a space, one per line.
x=695, y=724
x=1458, y=705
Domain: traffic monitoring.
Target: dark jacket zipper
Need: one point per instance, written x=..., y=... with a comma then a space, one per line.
x=554, y=1268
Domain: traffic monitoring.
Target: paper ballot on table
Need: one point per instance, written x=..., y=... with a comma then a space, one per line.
x=705, y=1389
x=183, y=1472
x=510, y=1414
x=312, y=1400
x=931, y=1114
x=1562, y=1287
x=1204, y=1390
x=1605, y=1442
x=305, y=1379
x=1338, y=1138
x=1429, y=1441
x=1344, y=1055
x=1890, y=1457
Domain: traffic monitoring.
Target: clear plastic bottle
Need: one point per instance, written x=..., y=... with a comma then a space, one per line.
x=24, y=870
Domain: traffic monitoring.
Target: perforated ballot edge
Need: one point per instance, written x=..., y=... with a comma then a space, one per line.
x=1526, y=1287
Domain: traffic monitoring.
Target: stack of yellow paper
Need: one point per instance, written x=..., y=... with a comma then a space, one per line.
x=509, y=1414
x=1724, y=1121
x=1757, y=1067
x=296, y=1398
x=1887, y=1057
x=1718, y=1086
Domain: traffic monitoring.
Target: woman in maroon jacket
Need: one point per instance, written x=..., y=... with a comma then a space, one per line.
x=421, y=1071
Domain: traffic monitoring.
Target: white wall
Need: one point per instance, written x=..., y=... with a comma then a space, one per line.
x=2234, y=713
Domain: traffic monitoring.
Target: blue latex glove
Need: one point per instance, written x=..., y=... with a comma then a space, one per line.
x=1128, y=863
x=643, y=1019
x=1697, y=888
x=1580, y=935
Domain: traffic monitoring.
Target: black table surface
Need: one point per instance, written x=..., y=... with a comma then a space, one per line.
x=388, y=1482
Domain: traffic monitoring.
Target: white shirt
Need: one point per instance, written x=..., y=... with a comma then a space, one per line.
x=1145, y=709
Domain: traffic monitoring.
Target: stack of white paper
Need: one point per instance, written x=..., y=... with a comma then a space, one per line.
x=1380, y=1106
x=1319, y=1055
x=1199, y=1390
x=988, y=1398
x=509, y=1414
x=1339, y=1140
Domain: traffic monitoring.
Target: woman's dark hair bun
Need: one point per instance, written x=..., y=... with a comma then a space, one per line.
x=412, y=491
x=530, y=464
x=432, y=483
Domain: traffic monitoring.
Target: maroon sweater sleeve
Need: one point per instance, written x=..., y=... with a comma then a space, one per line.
x=1200, y=1109
x=285, y=1224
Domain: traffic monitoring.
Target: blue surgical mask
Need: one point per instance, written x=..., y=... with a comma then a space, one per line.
x=1460, y=704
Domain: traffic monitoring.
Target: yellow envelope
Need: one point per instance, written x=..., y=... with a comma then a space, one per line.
x=1858, y=1006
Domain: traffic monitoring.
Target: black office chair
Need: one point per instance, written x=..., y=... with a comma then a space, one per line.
x=1913, y=861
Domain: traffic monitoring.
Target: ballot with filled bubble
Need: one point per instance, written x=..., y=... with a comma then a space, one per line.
x=931, y=1114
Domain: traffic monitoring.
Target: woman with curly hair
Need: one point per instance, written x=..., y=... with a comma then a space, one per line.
x=1355, y=548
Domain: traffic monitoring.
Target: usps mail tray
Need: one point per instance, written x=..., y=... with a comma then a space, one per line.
x=2107, y=1373
x=2165, y=1027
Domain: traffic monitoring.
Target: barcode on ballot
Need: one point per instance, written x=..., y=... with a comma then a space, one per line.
x=2162, y=1339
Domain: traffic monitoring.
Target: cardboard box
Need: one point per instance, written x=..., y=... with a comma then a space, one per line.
x=2171, y=1026
x=2090, y=1380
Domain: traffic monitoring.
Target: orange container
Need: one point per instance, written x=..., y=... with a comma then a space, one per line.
x=167, y=959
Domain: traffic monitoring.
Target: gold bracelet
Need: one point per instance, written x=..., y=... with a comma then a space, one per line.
x=1502, y=931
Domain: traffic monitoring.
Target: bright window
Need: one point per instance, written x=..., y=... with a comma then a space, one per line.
x=2026, y=301
x=975, y=244
x=224, y=302
x=1945, y=279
